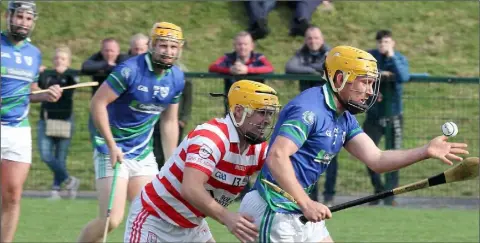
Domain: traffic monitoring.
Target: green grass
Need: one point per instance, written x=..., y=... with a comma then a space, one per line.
x=62, y=221
x=438, y=37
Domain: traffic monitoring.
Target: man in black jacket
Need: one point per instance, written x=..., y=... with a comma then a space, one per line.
x=309, y=58
x=100, y=65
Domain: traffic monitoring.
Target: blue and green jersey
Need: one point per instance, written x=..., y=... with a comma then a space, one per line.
x=142, y=96
x=311, y=121
x=19, y=68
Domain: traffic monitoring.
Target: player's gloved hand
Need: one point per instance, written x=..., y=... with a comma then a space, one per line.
x=116, y=155
x=54, y=93
x=242, y=226
x=315, y=211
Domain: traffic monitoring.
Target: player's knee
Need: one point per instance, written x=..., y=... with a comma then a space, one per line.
x=11, y=196
x=114, y=223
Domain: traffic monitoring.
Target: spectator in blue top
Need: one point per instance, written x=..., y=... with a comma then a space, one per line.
x=394, y=70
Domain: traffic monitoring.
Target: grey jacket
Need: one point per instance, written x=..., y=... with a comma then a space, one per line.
x=305, y=62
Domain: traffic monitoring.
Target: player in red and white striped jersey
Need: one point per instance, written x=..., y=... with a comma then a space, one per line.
x=206, y=172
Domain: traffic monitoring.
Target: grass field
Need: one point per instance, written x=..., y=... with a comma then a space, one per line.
x=438, y=37
x=61, y=221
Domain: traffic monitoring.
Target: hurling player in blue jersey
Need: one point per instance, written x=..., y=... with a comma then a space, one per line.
x=124, y=110
x=311, y=130
x=20, y=63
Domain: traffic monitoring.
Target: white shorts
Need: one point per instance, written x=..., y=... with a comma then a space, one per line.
x=16, y=144
x=128, y=168
x=278, y=227
x=144, y=227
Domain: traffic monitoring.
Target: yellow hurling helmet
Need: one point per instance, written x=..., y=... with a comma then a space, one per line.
x=352, y=63
x=252, y=95
x=165, y=31
x=258, y=98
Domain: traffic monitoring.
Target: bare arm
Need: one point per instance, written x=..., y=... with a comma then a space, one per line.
x=169, y=129
x=280, y=165
x=193, y=190
x=98, y=108
x=363, y=148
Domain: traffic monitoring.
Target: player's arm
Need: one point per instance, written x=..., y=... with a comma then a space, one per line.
x=280, y=165
x=193, y=190
x=115, y=84
x=169, y=129
x=54, y=93
x=199, y=167
x=363, y=148
x=98, y=108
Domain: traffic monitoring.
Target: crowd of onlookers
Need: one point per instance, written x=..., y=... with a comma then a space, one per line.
x=242, y=60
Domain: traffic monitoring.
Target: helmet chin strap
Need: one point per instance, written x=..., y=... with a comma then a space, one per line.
x=250, y=137
x=12, y=30
x=352, y=106
x=160, y=64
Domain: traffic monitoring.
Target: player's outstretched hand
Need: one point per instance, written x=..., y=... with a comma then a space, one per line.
x=315, y=211
x=242, y=226
x=116, y=155
x=54, y=93
x=440, y=148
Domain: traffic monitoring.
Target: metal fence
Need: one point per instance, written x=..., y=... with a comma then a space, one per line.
x=428, y=103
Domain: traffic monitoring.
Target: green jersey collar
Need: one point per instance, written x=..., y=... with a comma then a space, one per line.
x=149, y=62
x=328, y=94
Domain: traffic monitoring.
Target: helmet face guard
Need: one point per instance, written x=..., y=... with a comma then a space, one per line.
x=166, y=33
x=260, y=110
x=355, y=107
x=16, y=8
x=257, y=125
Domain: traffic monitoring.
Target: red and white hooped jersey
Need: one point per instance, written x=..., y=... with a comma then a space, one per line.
x=212, y=148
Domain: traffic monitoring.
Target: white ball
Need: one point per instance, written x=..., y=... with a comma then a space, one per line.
x=450, y=129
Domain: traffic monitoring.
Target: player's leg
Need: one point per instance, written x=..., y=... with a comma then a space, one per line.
x=272, y=227
x=13, y=175
x=136, y=184
x=327, y=239
x=93, y=231
x=141, y=173
x=16, y=151
x=141, y=226
x=315, y=232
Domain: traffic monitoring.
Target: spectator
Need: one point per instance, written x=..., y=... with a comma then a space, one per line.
x=100, y=65
x=242, y=61
x=393, y=67
x=309, y=59
x=138, y=44
x=258, y=14
x=184, y=110
x=56, y=124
